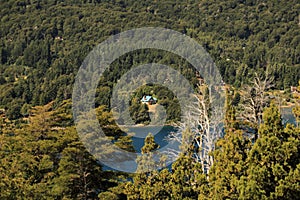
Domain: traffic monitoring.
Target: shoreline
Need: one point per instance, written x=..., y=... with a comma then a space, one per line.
x=142, y=125
x=288, y=106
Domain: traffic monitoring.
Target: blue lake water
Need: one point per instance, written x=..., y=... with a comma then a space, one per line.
x=287, y=115
x=138, y=136
x=140, y=133
x=160, y=135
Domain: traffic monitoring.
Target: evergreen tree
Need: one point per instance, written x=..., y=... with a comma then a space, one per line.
x=229, y=158
x=79, y=175
x=271, y=160
x=187, y=179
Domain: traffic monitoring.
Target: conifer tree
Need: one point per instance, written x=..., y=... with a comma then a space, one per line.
x=142, y=185
x=79, y=175
x=271, y=161
x=229, y=158
x=187, y=179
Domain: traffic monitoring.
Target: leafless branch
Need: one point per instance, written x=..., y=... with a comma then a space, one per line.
x=200, y=128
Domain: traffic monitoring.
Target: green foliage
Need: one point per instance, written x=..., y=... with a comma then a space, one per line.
x=145, y=182
x=148, y=162
x=42, y=54
x=139, y=112
x=43, y=158
x=265, y=169
x=188, y=181
x=272, y=158
x=79, y=176
x=184, y=181
x=43, y=44
x=229, y=158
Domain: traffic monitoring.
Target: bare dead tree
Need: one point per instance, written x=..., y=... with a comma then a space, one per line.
x=199, y=131
x=254, y=99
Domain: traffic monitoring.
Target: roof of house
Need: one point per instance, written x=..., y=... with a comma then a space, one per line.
x=148, y=98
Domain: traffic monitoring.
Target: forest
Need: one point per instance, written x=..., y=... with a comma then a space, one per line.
x=256, y=48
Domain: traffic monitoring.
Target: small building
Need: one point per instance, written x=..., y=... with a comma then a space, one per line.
x=149, y=100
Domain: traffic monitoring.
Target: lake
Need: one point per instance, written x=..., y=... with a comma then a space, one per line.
x=139, y=134
x=287, y=115
x=160, y=135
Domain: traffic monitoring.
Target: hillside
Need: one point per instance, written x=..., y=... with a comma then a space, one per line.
x=43, y=43
x=53, y=146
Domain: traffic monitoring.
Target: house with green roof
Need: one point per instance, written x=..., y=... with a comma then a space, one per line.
x=148, y=100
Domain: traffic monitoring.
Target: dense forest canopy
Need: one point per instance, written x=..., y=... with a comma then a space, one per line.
x=43, y=43
x=256, y=47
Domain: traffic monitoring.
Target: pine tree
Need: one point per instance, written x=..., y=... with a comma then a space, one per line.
x=229, y=158
x=271, y=160
x=79, y=175
x=142, y=185
x=187, y=179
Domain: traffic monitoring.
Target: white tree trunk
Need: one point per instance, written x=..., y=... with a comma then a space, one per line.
x=200, y=128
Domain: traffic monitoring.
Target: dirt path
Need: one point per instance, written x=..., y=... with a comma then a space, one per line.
x=152, y=108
